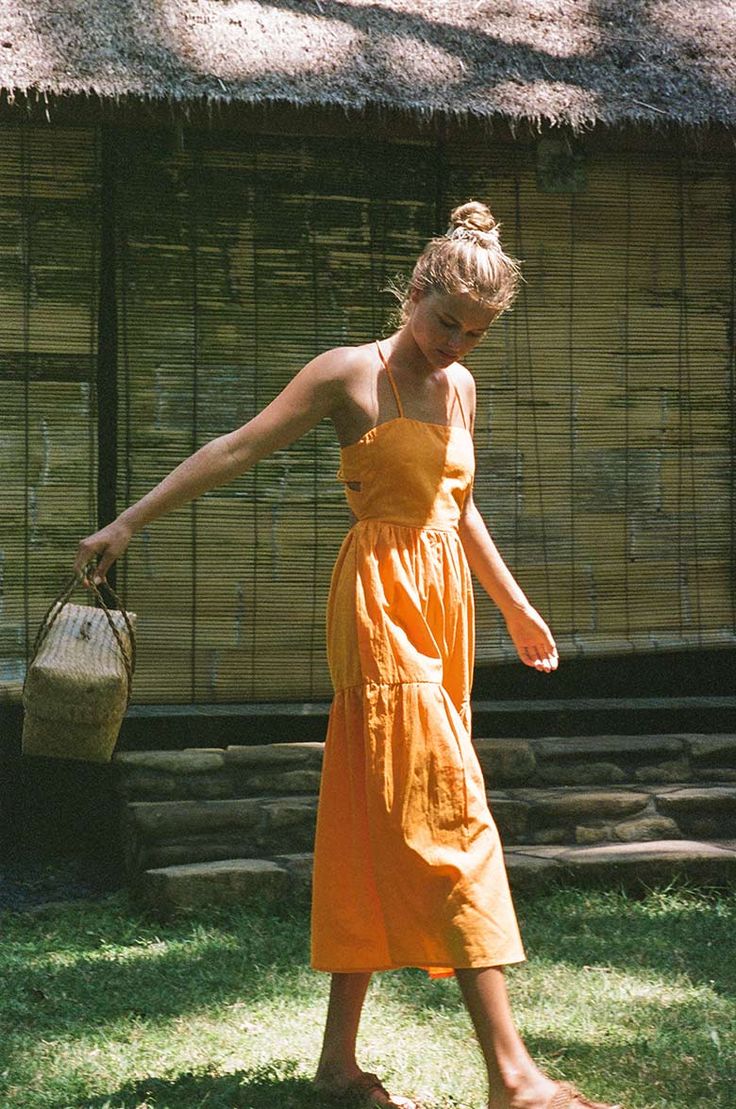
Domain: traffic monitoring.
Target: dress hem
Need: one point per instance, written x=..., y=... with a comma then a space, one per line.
x=400, y=966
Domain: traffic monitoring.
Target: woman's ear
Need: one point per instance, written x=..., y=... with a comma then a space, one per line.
x=412, y=300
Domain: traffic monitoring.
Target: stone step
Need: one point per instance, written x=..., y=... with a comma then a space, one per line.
x=160, y=833
x=210, y=773
x=167, y=890
x=282, y=768
x=163, y=833
x=582, y=815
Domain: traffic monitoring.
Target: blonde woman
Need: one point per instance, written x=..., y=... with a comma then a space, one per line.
x=408, y=864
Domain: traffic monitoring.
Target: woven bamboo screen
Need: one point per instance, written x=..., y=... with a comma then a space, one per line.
x=604, y=434
x=240, y=259
x=48, y=317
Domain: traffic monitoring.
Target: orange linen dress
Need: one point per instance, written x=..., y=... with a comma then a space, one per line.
x=408, y=864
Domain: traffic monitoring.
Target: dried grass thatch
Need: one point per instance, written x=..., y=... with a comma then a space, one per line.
x=573, y=62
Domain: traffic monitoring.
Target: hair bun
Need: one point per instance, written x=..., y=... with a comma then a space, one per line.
x=468, y=258
x=473, y=216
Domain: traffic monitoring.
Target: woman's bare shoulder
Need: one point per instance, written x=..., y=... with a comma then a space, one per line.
x=346, y=359
x=463, y=375
x=464, y=380
x=346, y=367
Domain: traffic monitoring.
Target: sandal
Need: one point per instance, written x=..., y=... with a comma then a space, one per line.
x=359, y=1090
x=566, y=1094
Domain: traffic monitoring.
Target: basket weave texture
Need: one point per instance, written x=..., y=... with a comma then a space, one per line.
x=78, y=682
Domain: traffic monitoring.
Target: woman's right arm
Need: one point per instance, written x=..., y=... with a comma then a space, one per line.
x=311, y=395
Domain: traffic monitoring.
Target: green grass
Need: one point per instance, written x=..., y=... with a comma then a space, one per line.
x=633, y=999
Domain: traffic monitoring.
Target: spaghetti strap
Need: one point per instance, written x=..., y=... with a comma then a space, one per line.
x=462, y=410
x=391, y=379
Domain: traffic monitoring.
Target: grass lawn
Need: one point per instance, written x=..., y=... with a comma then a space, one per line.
x=633, y=999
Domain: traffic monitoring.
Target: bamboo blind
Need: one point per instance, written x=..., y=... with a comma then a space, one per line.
x=604, y=433
x=48, y=342
x=241, y=258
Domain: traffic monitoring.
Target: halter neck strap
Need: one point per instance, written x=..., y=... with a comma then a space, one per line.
x=396, y=391
x=391, y=379
x=462, y=410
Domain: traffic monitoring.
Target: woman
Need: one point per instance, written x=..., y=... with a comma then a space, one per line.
x=408, y=864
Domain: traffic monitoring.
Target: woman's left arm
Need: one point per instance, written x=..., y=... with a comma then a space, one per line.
x=529, y=633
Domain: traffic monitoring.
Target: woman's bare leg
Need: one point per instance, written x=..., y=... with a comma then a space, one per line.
x=514, y=1080
x=337, y=1063
x=511, y=1070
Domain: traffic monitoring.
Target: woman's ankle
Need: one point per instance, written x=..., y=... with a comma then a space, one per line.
x=517, y=1089
x=338, y=1069
x=513, y=1077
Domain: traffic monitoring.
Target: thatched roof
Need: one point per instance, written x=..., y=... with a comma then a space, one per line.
x=577, y=62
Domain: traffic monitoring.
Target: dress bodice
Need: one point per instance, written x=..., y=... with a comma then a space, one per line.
x=409, y=471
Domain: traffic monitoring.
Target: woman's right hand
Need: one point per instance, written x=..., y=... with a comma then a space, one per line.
x=109, y=543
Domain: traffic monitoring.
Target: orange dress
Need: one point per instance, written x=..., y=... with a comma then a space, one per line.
x=408, y=864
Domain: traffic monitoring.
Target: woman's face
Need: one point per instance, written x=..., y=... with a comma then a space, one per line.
x=446, y=326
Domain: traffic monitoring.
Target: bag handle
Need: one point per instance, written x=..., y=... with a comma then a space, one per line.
x=63, y=596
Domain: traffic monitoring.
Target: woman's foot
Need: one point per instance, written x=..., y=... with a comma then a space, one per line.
x=531, y=1092
x=358, y=1087
x=568, y=1096
x=543, y=1092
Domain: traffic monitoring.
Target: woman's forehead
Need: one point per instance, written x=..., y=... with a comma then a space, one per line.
x=464, y=307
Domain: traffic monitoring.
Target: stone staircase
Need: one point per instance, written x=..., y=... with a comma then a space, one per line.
x=206, y=825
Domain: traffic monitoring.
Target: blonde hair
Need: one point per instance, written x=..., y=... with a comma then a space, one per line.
x=468, y=258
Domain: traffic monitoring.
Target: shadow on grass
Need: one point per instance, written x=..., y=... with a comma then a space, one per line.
x=169, y=970
x=274, y=1085
x=165, y=970
x=660, y=1047
x=153, y=970
x=279, y=1084
x=76, y=967
x=674, y=930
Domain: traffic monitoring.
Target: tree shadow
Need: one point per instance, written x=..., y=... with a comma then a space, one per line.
x=687, y=939
x=594, y=936
x=276, y=1083
x=622, y=66
x=686, y=936
x=159, y=976
x=625, y=55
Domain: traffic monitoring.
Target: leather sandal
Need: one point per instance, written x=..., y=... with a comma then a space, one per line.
x=361, y=1091
x=566, y=1094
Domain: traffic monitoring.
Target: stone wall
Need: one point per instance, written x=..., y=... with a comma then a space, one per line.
x=250, y=802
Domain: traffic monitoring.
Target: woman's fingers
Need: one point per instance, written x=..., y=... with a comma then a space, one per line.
x=108, y=544
x=85, y=562
x=541, y=656
x=547, y=657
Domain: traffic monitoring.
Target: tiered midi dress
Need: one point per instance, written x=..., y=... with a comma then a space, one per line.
x=408, y=863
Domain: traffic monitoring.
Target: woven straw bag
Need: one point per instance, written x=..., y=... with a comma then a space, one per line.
x=79, y=680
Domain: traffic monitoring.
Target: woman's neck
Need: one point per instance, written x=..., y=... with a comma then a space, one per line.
x=406, y=356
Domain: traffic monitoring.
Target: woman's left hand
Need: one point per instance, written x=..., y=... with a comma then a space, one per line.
x=532, y=638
